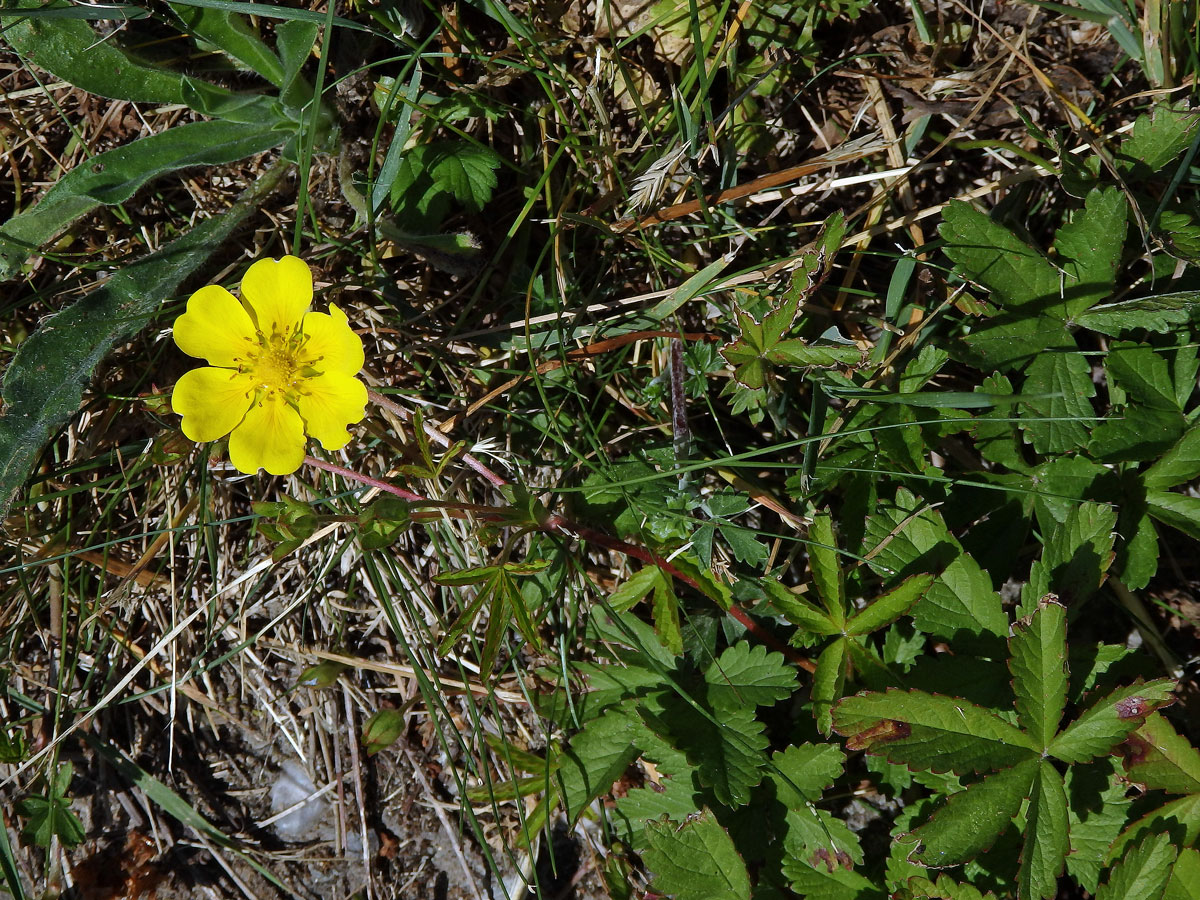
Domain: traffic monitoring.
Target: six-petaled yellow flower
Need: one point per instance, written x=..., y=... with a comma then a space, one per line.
x=276, y=372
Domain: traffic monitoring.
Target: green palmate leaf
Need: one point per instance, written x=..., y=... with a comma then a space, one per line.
x=1179, y=818
x=115, y=175
x=828, y=578
x=1046, y=843
x=727, y=750
x=71, y=50
x=988, y=253
x=803, y=771
x=829, y=681
x=817, y=838
x=1076, y=559
x=631, y=591
x=1161, y=313
x=822, y=883
x=695, y=860
x=1142, y=873
x=675, y=797
x=749, y=675
x=798, y=610
x=233, y=34
x=43, y=385
x=972, y=819
x=926, y=731
x=795, y=352
x=1159, y=137
x=1038, y=656
x=1179, y=464
x=432, y=176
x=1177, y=510
x=1142, y=372
x=1185, y=876
x=1098, y=811
x=1107, y=721
x=1064, y=380
x=945, y=888
x=1089, y=245
x=1013, y=340
x=961, y=599
x=887, y=608
x=1159, y=758
x=1136, y=433
x=596, y=757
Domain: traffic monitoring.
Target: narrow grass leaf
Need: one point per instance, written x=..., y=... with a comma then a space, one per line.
x=1038, y=662
x=930, y=732
x=972, y=819
x=695, y=860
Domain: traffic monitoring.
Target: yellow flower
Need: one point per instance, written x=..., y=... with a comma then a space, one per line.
x=277, y=371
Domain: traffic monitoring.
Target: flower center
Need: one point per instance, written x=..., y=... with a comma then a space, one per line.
x=275, y=367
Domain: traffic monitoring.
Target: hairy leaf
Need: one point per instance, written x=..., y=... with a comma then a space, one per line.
x=803, y=771
x=888, y=607
x=727, y=749
x=1160, y=313
x=43, y=385
x=115, y=175
x=1159, y=137
x=71, y=50
x=826, y=568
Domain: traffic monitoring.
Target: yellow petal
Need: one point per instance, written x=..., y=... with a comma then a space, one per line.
x=215, y=327
x=211, y=401
x=331, y=346
x=271, y=437
x=278, y=292
x=328, y=404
